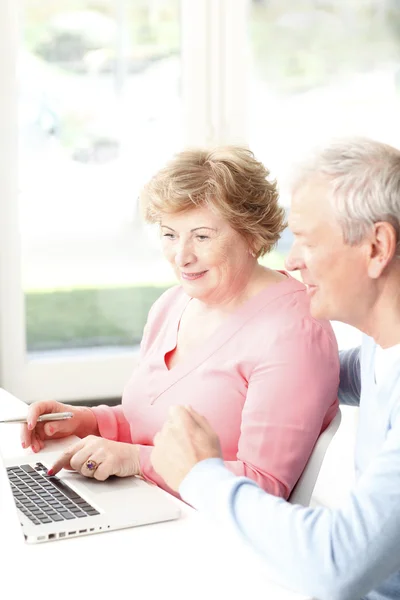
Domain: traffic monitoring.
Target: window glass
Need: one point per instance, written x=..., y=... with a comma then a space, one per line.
x=319, y=69
x=99, y=113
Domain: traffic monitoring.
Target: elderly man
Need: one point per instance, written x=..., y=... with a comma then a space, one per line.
x=345, y=217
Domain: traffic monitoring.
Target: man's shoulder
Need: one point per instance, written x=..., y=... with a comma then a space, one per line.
x=368, y=344
x=366, y=357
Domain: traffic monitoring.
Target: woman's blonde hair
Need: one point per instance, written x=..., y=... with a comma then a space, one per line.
x=228, y=179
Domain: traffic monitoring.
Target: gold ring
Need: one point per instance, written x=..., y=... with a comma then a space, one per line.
x=91, y=465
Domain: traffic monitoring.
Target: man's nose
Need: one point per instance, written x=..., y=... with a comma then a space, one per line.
x=294, y=261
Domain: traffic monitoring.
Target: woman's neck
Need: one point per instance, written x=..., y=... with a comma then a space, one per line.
x=261, y=278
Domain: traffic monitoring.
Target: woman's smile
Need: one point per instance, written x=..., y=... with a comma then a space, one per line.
x=192, y=276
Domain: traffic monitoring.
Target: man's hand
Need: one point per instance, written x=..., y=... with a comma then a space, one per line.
x=186, y=439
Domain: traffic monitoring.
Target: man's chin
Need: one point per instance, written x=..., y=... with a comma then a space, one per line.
x=317, y=310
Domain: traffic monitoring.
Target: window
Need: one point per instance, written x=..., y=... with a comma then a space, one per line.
x=107, y=90
x=320, y=69
x=99, y=112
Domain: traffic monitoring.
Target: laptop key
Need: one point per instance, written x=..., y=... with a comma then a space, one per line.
x=85, y=505
x=45, y=519
x=27, y=468
x=63, y=487
x=39, y=502
x=57, y=518
x=67, y=515
x=46, y=497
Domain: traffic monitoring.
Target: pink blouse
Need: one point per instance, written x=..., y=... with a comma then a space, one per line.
x=266, y=380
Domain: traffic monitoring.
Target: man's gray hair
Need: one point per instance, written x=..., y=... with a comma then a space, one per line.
x=364, y=178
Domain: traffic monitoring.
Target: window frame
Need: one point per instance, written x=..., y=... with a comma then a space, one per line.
x=213, y=58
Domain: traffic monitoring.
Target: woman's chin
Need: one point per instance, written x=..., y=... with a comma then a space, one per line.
x=193, y=290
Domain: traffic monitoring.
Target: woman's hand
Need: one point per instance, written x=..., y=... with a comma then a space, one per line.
x=99, y=458
x=34, y=434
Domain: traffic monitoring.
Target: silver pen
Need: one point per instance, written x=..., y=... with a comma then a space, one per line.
x=47, y=417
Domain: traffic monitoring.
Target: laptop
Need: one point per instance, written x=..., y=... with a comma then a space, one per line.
x=69, y=504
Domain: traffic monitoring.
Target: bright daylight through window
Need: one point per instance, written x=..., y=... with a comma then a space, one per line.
x=108, y=91
x=99, y=113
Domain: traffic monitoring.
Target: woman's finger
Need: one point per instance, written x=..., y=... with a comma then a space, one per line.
x=35, y=445
x=26, y=436
x=103, y=467
x=34, y=411
x=79, y=460
x=65, y=459
x=39, y=408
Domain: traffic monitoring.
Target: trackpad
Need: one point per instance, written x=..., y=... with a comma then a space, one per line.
x=112, y=484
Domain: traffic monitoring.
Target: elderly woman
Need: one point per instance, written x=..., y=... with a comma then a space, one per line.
x=234, y=340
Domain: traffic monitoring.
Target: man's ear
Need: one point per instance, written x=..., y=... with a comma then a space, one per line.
x=383, y=248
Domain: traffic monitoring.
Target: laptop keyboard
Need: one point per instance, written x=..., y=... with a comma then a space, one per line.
x=45, y=499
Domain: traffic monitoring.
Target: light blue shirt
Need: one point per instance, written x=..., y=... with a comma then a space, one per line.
x=328, y=554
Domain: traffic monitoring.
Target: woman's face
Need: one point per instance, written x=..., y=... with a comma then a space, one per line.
x=211, y=260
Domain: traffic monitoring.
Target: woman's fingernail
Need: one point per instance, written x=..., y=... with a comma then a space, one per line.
x=50, y=472
x=23, y=444
x=51, y=430
x=30, y=426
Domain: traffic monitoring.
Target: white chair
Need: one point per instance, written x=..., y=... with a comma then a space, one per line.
x=303, y=490
x=329, y=474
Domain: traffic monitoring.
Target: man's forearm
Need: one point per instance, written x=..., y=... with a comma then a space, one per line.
x=330, y=555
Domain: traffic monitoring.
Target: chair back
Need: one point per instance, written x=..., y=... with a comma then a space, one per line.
x=303, y=490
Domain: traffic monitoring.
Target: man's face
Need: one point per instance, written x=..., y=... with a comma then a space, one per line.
x=335, y=272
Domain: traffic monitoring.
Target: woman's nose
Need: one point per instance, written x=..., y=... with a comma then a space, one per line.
x=184, y=256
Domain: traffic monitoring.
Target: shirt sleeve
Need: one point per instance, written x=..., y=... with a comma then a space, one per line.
x=112, y=423
x=350, y=377
x=291, y=398
x=332, y=554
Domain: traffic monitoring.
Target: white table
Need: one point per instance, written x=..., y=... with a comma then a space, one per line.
x=184, y=559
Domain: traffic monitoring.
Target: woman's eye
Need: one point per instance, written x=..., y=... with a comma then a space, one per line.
x=169, y=235
x=201, y=238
